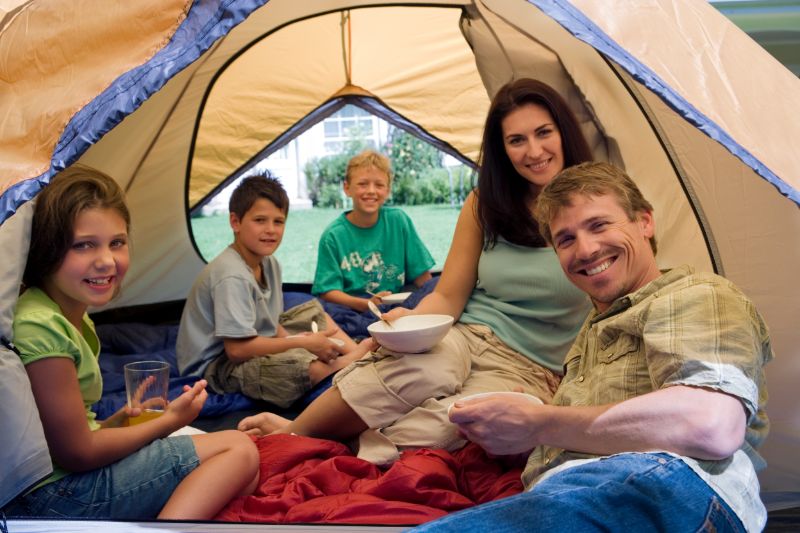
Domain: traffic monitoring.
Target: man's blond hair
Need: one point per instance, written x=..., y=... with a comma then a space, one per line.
x=367, y=159
x=589, y=179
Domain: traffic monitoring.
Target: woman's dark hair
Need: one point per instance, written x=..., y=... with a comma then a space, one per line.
x=503, y=194
x=57, y=207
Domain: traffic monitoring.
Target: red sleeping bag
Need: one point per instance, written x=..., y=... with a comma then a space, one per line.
x=306, y=480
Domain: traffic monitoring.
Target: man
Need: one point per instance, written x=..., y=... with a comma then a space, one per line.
x=661, y=406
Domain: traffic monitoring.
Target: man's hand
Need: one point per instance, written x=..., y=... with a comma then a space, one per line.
x=692, y=421
x=501, y=425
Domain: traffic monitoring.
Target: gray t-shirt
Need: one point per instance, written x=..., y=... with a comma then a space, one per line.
x=227, y=302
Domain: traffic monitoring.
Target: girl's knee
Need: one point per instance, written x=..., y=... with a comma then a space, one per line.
x=243, y=444
x=229, y=441
x=244, y=452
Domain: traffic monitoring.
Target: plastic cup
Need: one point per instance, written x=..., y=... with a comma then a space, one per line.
x=146, y=384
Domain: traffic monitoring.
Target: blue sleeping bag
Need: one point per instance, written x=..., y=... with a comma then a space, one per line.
x=128, y=342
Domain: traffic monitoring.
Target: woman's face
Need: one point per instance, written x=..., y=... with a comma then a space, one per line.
x=533, y=144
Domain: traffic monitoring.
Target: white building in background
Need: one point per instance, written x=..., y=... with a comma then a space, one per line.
x=324, y=138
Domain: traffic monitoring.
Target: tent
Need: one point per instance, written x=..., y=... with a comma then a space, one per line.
x=171, y=97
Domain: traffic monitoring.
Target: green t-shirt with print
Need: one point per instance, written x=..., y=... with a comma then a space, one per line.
x=384, y=257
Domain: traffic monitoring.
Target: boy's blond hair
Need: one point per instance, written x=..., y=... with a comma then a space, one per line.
x=367, y=159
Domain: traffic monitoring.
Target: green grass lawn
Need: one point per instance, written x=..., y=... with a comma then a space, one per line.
x=434, y=223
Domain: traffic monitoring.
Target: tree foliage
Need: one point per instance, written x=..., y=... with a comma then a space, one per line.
x=419, y=175
x=324, y=175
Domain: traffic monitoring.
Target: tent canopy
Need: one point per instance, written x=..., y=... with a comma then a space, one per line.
x=171, y=97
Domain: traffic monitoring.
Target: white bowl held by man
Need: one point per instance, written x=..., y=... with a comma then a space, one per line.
x=498, y=395
x=411, y=333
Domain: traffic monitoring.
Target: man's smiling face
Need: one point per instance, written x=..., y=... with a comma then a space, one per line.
x=601, y=250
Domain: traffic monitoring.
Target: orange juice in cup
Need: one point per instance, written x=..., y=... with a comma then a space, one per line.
x=146, y=416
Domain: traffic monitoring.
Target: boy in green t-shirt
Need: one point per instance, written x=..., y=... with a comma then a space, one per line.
x=371, y=251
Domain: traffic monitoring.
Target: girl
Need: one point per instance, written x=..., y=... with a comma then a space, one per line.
x=78, y=258
x=517, y=313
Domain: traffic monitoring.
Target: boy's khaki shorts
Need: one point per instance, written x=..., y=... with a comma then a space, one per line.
x=280, y=378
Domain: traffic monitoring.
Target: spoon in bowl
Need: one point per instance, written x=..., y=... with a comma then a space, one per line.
x=377, y=312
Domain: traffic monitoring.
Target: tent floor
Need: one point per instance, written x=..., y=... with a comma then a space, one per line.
x=785, y=520
x=108, y=526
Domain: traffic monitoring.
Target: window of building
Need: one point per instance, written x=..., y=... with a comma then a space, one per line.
x=350, y=121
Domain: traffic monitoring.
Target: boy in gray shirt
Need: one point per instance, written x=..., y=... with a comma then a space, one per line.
x=233, y=332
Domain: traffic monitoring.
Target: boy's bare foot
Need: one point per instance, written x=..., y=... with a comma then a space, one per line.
x=263, y=424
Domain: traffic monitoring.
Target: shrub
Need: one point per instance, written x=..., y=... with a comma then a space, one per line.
x=324, y=175
x=419, y=177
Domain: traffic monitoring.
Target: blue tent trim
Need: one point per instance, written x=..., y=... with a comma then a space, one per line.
x=584, y=29
x=205, y=23
x=209, y=20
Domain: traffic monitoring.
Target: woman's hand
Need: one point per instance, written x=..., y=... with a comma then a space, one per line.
x=396, y=313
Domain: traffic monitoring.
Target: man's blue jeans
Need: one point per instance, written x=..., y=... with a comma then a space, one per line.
x=627, y=493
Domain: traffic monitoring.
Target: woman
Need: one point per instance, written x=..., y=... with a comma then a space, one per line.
x=517, y=313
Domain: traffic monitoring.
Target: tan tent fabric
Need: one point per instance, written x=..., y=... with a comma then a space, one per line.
x=95, y=42
x=728, y=76
x=437, y=66
x=628, y=139
x=403, y=67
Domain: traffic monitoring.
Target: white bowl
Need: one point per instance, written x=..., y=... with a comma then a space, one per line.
x=499, y=394
x=396, y=298
x=411, y=333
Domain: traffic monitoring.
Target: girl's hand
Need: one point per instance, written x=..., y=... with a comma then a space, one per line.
x=187, y=406
x=120, y=418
